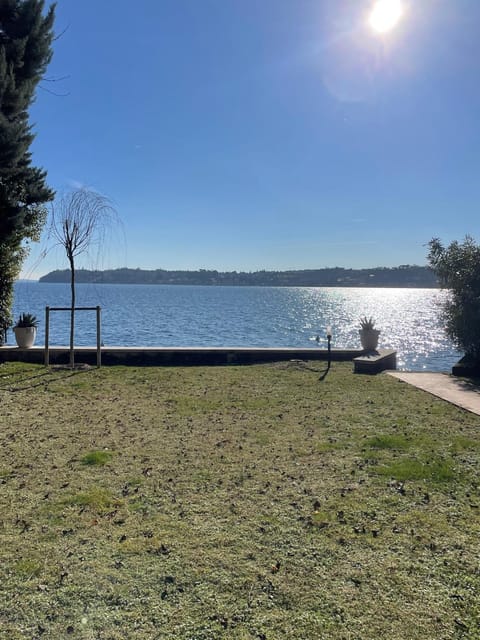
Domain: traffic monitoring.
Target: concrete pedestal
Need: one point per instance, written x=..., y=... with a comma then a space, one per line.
x=375, y=361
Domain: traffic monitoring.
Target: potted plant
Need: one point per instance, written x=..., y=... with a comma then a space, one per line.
x=25, y=330
x=368, y=334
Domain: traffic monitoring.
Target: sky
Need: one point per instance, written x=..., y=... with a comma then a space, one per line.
x=281, y=134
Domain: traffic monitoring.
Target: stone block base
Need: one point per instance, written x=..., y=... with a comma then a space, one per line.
x=375, y=361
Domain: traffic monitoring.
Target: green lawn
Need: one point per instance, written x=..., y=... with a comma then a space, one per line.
x=235, y=502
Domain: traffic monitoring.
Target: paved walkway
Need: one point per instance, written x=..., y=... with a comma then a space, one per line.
x=458, y=391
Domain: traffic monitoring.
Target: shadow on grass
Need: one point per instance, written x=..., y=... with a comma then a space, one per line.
x=301, y=364
x=21, y=380
x=324, y=373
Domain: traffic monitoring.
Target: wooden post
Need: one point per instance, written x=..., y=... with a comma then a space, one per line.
x=47, y=332
x=99, y=339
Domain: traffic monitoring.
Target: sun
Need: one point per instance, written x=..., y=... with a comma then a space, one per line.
x=385, y=15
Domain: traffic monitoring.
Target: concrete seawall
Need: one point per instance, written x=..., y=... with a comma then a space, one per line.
x=174, y=356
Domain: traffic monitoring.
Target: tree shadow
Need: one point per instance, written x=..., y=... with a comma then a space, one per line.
x=471, y=385
x=21, y=376
x=18, y=381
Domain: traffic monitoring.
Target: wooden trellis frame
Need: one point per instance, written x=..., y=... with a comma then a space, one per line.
x=47, y=329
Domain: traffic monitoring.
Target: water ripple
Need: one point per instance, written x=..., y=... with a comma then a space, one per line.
x=159, y=315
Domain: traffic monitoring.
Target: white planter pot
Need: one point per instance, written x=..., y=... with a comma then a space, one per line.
x=369, y=339
x=25, y=336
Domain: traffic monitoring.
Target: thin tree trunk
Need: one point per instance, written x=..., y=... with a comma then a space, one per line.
x=72, y=311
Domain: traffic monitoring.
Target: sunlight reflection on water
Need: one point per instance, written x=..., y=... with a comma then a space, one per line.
x=157, y=315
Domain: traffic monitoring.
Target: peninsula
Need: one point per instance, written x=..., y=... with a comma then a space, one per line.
x=402, y=276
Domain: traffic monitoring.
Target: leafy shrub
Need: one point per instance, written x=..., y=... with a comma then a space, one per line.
x=458, y=269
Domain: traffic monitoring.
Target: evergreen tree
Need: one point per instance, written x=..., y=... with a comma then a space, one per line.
x=26, y=34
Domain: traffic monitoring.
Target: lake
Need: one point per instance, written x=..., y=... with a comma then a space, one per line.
x=175, y=315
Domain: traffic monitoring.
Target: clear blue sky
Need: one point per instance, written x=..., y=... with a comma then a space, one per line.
x=238, y=134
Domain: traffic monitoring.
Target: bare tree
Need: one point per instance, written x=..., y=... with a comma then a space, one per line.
x=80, y=220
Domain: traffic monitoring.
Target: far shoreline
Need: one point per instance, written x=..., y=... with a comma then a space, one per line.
x=404, y=276
x=242, y=286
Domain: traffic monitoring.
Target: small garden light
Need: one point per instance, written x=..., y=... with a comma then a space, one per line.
x=328, y=331
x=329, y=341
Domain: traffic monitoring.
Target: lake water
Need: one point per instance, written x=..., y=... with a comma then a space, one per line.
x=174, y=315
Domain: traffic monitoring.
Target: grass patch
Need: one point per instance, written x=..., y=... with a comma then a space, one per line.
x=96, y=458
x=411, y=469
x=248, y=502
x=28, y=568
x=96, y=499
x=388, y=442
x=462, y=443
x=325, y=447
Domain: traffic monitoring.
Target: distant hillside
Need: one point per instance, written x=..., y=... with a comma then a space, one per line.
x=403, y=276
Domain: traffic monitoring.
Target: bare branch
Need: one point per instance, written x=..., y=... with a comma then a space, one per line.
x=80, y=219
x=54, y=93
x=59, y=79
x=61, y=33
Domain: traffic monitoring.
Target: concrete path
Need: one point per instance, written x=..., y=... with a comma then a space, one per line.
x=458, y=391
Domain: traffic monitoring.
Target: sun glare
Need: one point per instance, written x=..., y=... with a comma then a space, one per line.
x=385, y=15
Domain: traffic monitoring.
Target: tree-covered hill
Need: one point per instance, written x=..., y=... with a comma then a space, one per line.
x=403, y=276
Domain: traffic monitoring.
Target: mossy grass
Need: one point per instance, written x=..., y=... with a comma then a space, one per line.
x=235, y=503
